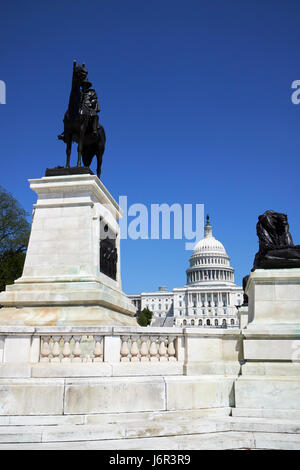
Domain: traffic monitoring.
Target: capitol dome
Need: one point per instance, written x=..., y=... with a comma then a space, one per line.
x=209, y=262
x=208, y=245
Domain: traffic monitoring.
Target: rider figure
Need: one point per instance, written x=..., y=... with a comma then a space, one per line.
x=90, y=104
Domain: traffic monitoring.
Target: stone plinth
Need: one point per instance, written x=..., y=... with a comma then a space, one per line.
x=270, y=379
x=62, y=282
x=274, y=298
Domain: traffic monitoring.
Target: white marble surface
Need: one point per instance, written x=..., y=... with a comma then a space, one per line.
x=274, y=298
x=271, y=392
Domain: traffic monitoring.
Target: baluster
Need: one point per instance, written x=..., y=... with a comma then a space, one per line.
x=144, y=349
x=66, y=352
x=125, y=349
x=162, y=351
x=77, y=349
x=153, y=349
x=134, y=350
x=45, y=349
x=56, y=349
x=171, y=349
x=88, y=356
x=98, y=350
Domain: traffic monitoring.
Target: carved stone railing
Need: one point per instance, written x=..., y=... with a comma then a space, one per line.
x=75, y=351
x=148, y=348
x=71, y=348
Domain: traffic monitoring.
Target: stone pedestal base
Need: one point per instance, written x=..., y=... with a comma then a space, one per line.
x=63, y=281
x=65, y=303
x=70, y=316
x=274, y=298
x=270, y=378
x=271, y=393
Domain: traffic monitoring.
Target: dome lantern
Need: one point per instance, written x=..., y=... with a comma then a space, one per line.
x=207, y=228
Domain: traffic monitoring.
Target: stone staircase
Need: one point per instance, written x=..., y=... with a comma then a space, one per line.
x=168, y=430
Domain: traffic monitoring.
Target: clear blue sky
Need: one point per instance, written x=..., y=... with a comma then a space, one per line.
x=196, y=103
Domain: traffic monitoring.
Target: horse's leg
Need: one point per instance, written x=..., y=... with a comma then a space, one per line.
x=82, y=130
x=99, y=163
x=68, y=152
x=79, y=149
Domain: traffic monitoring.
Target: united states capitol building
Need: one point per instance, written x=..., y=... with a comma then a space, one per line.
x=210, y=297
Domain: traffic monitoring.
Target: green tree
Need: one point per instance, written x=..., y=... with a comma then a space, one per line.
x=14, y=236
x=144, y=317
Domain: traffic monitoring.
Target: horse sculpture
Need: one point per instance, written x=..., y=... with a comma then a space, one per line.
x=81, y=121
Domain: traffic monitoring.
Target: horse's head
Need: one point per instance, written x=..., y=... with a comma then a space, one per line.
x=79, y=72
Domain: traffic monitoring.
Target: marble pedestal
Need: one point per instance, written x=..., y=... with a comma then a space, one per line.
x=269, y=384
x=62, y=282
x=274, y=298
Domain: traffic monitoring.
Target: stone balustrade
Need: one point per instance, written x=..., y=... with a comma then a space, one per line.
x=71, y=348
x=145, y=348
x=99, y=351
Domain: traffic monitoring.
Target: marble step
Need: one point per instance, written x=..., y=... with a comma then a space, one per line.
x=265, y=413
x=90, y=432
x=168, y=430
x=104, y=418
x=206, y=441
x=263, y=425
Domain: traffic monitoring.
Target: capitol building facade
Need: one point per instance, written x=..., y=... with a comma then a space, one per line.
x=210, y=297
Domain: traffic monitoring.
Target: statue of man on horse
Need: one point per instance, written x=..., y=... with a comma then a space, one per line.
x=81, y=121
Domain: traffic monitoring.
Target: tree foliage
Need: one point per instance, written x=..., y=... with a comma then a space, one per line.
x=14, y=236
x=144, y=317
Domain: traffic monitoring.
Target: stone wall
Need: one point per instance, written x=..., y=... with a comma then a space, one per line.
x=86, y=370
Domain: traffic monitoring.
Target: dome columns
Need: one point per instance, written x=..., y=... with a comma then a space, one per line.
x=196, y=275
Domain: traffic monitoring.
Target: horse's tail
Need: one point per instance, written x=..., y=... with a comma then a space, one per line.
x=95, y=148
x=101, y=132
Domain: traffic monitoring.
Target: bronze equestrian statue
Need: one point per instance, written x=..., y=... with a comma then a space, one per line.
x=81, y=122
